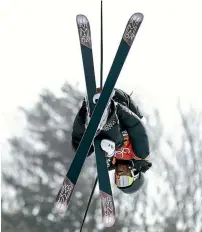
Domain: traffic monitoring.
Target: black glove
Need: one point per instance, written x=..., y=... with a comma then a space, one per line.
x=110, y=165
x=141, y=165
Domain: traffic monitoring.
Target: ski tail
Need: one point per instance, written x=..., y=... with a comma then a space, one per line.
x=107, y=201
x=64, y=196
x=108, y=209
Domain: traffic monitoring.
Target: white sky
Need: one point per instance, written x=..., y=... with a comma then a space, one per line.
x=39, y=48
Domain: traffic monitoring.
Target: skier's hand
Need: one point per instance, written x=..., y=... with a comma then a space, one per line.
x=110, y=164
x=141, y=165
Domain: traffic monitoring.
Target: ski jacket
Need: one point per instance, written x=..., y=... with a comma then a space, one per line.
x=123, y=98
x=120, y=119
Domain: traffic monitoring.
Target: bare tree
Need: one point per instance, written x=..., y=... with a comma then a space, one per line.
x=179, y=166
x=169, y=202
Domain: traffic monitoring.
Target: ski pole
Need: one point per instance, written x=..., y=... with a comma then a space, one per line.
x=93, y=190
x=101, y=48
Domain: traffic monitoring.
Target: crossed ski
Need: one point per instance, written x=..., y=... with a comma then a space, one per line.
x=67, y=188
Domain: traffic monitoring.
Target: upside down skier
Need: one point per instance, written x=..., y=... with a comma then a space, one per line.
x=123, y=138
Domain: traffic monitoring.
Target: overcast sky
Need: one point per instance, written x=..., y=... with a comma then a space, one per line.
x=39, y=48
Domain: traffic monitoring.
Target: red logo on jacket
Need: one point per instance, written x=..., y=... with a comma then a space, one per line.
x=126, y=151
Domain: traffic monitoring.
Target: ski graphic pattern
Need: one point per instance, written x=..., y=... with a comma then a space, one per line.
x=84, y=30
x=132, y=28
x=108, y=209
x=63, y=197
x=87, y=57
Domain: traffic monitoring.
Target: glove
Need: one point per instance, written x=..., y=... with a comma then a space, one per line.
x=108, y=146
x=110, y=164
x=141, y=165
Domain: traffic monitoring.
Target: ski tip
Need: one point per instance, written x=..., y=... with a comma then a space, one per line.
x=60, y=208
x=84, y=30
x=109, y=221
x=132, y=28
x=81, y=19
x=138, y=14
x=108, y=209
x=63, y=196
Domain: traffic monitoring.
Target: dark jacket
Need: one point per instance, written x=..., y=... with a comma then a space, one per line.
x=121, y=118
x=123, y=98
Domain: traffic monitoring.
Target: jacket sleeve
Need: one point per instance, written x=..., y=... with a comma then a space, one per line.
x=79, y=128
x=136, y=131
x=133, y=107
x=122, y=97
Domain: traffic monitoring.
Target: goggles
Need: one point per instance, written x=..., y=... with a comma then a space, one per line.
x=123, y=181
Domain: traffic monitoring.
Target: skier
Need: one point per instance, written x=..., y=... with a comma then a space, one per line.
x=123, y=138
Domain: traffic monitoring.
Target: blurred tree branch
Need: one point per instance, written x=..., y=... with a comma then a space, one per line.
x=169, y=202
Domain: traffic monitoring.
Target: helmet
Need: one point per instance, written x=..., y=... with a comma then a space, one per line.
x=127, y=179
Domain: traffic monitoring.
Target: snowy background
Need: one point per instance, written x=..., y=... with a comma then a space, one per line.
x=39, y=49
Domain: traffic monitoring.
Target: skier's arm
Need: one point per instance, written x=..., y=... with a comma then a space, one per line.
x=79, y=128
x=122, y=97
x=136, y=131
x=133, y=107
